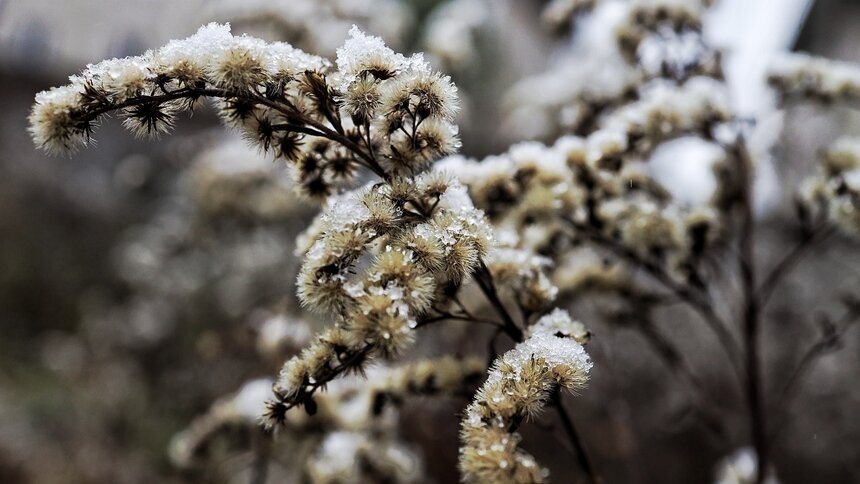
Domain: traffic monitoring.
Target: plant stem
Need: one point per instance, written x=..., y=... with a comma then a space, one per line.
x=484, y=278
x=751, y=308
x=697, y=301
x=827, y=343
x=672, y=357
x=790, y=261
x=573, y=436
x=485, y=281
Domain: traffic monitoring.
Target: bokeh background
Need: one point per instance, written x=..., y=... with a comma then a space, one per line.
x=131, y=296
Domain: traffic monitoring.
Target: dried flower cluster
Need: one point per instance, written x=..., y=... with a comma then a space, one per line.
x=316, y=25
x=518, y=387
x=352, y=438
x=801, y=76
x=381, y=259
x=628, y=44
x=326, y=123
x=409, y=231
x=422, y=238
x=548, y=200
x=835, y=191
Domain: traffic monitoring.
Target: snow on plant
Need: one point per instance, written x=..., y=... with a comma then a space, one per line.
x=381, y=259
x=409, y=229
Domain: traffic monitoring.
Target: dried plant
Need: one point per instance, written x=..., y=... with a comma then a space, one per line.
x=381, y=259
x=409, y=232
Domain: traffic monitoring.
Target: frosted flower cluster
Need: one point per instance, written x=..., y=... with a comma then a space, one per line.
x=377, y=258
x=582, y=192
x=615, y=52
x=526, y=187
x=353, y=436
x=378, y=110
x=803, y=76
x=666, y=111
x=518, y=387
x=522, y=276
x=835, y=190
x=669, y=20
x=315, y=25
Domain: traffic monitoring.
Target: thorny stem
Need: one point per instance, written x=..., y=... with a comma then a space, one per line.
x=751, y=308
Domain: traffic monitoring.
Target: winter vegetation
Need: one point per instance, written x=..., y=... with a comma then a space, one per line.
x=394, y=283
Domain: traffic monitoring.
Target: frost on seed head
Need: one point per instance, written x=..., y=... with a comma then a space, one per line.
x=518, y=386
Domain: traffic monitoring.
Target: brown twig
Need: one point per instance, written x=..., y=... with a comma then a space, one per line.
x=751, y=307
x=790, y=261
x=485, y=281
x=672, y=357
x=484, y=278
x=695, y=299
x=573, y=437
x=829, y=341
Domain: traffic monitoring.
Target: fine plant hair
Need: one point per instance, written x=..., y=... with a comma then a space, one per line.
x=410, y=232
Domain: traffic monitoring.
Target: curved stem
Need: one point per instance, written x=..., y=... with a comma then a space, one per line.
x=790, y=261
x=827, y=343
x=696, y=300
x=485, y=281
x=573, y=436
x=672, y=357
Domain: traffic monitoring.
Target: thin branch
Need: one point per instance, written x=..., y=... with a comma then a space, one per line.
x=751, y=308
x=572, y=435
x=672, y=357
x=290, y=111
x=485, y=281
x=696, y=300
x=455, y=317
x=791, y=261
x=298, y=129
x=829, y=342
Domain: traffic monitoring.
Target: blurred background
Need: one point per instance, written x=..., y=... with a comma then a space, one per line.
x=133, y=291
